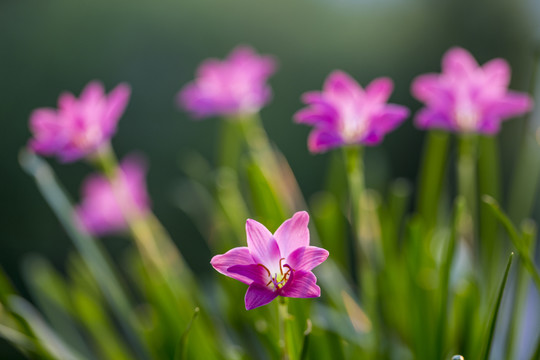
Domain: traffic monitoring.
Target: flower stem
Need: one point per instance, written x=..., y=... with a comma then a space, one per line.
x=355, y=176
x=150, y=236
x=466, y=169
x=283, y=314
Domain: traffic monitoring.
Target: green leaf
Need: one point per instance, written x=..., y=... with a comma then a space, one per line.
x=516, y=239
x=48, y=339
x=181, y=350
x=89, y=248
x=305, y=343
x=495, y=312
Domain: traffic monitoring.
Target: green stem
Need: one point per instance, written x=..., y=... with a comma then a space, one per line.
x=283, y=314
x=466, y=168
x=355, y=176
x=432, y=175
x=151, y=238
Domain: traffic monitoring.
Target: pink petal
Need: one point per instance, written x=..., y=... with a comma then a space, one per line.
x=379, y=90
x=116, y=104
x=315, y=116
x=261, y=244
x=306, y=258
x=66, y=101
x=293, y=233
x=255, y=272
x=428, y=118
x=340, y=84
x=429, y=88
x=301, y=284
x=459, y=63
x=389, y=118
x=510, y=105
x=372, y=138
x=236, y=256
x=258, y=295
x=497, y=73
x=92, y=92
x=321, y=140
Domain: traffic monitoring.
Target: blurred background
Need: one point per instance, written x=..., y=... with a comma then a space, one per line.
x=47, y=47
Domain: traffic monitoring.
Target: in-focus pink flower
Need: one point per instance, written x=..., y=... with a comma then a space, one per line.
x=100, y=211
x=79, y=126
x=466, y=97
x=231, y=87
x=274, y=265
x=345, y=114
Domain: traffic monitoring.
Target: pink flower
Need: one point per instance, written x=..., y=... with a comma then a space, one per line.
x=79, y=126
x=100, y=212
x=345, y=114
x=468, y=98
x=234, y=86
x=274, y=265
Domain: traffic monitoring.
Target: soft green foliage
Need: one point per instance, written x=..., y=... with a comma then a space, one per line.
x=399, y=284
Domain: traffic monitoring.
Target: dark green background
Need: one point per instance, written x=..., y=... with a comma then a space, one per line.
x=47, y=47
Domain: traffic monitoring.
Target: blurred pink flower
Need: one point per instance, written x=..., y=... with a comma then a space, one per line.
x=466, y=97
x=345, y=114
x=79, y=126
x=274, y=265
x=234, y=86
x=100, y=212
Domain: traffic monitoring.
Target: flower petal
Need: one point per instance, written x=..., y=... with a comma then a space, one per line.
x=255, y=272
x=293, y=233
x=306, y=258
x=430, y=118
x=497, y=73
x=236, y=256
x=340, y=84
x=258, y=295
x=302, y=284
x=262, y=245
x=321, y=140
x=317, y=116
x=389, y=118
x=379, y=90
x=116, y=104
x=92, y=92
x=511, y=105
x=459, y=63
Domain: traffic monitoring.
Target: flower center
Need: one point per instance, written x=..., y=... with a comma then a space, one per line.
x=278, y=280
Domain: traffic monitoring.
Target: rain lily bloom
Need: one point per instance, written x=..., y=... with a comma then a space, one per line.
x=235, y=86
x=100, y=211
x=345, y=114
x=466, y=97
x=274, y=265
x=79, y=126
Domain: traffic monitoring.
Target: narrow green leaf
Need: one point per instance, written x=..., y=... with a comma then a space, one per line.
x=89, y=248
x=50, y=291
x=48, y=339
x=446, y=266
x=493, y=318
x=536, y=353
x=516, y=239
x=305, y=343
x=18, y=339
x=181, y=350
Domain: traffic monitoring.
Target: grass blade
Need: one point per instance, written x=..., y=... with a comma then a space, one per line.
x=516, y=239
x=55, y=346
x=88, y=247
x=305, y=344
x=493, y=319
x=181, y=350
